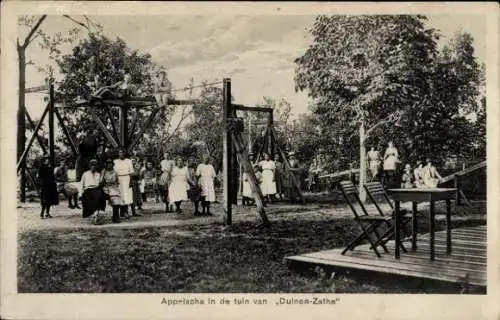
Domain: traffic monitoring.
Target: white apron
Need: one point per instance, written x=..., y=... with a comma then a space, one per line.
x=177, y=190
x=268, y=185
x=124, y=169
x=206, y=172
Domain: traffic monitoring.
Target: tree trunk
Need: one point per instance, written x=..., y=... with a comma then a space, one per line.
x=362, y=162
x=21, y=121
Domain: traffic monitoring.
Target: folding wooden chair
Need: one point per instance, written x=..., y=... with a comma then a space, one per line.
x=377, y=194
x=369, y=224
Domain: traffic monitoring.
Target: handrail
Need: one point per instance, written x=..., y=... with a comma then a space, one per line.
x=339, y=173
x=475, y=167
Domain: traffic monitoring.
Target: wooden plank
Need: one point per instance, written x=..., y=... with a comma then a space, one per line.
x=38, y=138
x=475, y=167
x=339, y=173
x=32, y=139
x=429, y=273
x=254, y=109
x=103, y=128
x=65, y=130
x=247, y=167
x=419, y=258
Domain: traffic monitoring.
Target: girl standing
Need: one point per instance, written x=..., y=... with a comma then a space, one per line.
x=166, y=166
x=111, y=187
x=179, y=184
x=124, y=168
x=391, y=158
x=268, y=185
x=49, y=195
x=194, y=192
x=279, y=172
x=373, y=162
x=206, y=175
x=136, y=187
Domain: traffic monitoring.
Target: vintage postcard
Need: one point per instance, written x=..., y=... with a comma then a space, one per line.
x=227, y=160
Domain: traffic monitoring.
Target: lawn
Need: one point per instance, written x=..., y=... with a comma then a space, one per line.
x=245, y=257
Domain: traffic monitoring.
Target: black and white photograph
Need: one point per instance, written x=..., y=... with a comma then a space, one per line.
x=314, y=154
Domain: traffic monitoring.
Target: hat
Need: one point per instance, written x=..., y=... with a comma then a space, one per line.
x=93, y=161
x=291, y=153
x=109, y=161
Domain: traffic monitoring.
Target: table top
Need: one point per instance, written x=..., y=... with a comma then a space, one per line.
x=422, y=194
x=422, y=190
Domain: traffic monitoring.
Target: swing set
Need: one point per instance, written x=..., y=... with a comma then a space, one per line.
x=118, y=135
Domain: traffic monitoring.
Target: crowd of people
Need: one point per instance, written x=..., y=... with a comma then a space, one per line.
x=125, y=184
x=423, y=176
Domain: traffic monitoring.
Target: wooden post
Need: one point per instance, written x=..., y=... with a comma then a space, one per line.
x=21, y=121
x=362, y=162
x=21, y=164
x=456, y=182
x=65, y=130
x=228, y=151
x=272, y=149
x=123, y=127
x=52, y=145
x=38, y=138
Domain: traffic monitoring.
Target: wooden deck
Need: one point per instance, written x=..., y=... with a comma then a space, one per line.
x=468, y=258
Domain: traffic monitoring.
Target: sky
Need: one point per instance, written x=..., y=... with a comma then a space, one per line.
x=256, y=51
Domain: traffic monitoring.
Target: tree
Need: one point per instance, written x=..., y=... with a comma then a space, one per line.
x=108, y=60
x=33, y=27
x=204, y=132
x=366, y=70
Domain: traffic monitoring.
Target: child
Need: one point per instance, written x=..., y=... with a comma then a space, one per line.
x=406, y=180
x=247, y=194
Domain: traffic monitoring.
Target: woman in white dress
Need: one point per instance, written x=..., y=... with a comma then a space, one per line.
x=430, y=175
x=391, y=159
x=166, y=166
x=179, y=184
x=417, y=173
x=206, y=175
x=373, y=162
x=124, y=168
x=268, y=185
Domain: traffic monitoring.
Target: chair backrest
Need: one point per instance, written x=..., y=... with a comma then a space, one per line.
x=376, y=193
x=350, y=192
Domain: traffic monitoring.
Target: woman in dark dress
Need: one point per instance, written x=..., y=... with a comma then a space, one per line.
x=49, y=195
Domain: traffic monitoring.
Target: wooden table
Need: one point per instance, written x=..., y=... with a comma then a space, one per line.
x=422, y=195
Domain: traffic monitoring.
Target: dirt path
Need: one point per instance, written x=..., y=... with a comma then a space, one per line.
x=154, y=216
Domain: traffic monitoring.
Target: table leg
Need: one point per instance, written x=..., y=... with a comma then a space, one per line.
x=448, y=226
x=414, y=226
x=432, y=228
x=397, y=227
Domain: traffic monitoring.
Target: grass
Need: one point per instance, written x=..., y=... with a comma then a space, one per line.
x=197, y=258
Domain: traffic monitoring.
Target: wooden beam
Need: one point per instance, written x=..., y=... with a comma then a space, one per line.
x=33, y=137
x=37, y=89
x=65, y=130
x=475, y=167
x=339, y=174
x=272, y=137
x=112, y=120
x=251, y=109
x=289, y=170
x=123, y=118
x=52, y=140
x=38, y=138
x=227, y=151
x=132, y=128
x=147, y=125
x=103, y=128
x=247, y=167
